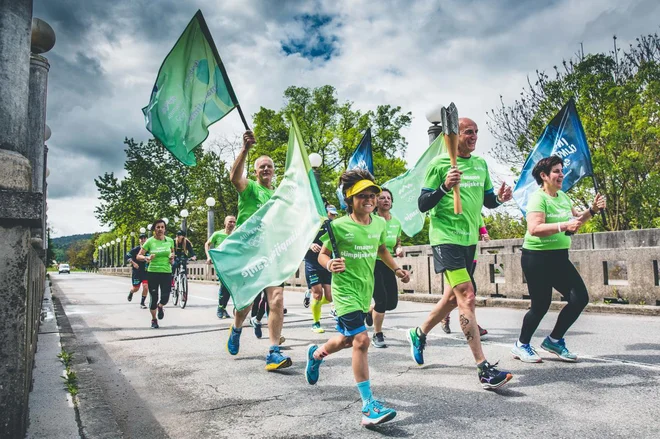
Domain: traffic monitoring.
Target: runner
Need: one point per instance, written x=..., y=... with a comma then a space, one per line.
x=444, y=323
x=138, y=273
x=318, y=278
x=386, y=290
x=159, y=272
x=360, y=238
x=251, y=196
x=545, y=263
x=183, y=248
x=454, y=239
x=214, y=241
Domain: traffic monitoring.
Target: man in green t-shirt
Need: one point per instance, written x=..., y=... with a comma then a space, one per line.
x=214, y=241
x=454, y=240
x=251, y=196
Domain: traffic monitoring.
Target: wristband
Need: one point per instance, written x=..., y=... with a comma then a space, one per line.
x=442, y=188
x=327, y=266
x=592, y=212
x=559, y=227
x=483, y=231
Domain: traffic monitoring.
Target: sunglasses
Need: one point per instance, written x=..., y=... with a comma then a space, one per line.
x=368, y=196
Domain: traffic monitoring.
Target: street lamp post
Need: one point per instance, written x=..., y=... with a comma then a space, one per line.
x=315, y=160
x=435, y=117
x=99, y=257
x=123, y=255
x=184, y=225
x=210, y=228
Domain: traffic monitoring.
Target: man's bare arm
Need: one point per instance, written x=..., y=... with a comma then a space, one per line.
x=236, y=174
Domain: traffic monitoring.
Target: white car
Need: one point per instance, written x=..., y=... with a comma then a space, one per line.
x=64, y=268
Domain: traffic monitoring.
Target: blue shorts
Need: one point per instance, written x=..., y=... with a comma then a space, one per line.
x=316, y=275
x=351, y=324
x=138, y=277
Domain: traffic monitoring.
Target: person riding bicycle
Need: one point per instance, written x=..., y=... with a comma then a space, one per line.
x=182, y=249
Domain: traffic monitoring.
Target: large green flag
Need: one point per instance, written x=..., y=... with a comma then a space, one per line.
x=268, y=248
x=407, y=187
x=192, y=91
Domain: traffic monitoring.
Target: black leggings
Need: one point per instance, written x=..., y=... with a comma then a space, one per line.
x=156, y=280
x=386, y=290
x=260, y=305
x=223, y=296
x=545, y=269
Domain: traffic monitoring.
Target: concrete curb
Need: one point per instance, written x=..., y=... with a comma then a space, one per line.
x=93, y=413
x=642, y=310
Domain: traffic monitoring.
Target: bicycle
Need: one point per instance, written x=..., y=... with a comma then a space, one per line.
x=180, y=290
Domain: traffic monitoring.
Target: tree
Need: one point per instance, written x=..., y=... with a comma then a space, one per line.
x=618, y=99
x=333, y=130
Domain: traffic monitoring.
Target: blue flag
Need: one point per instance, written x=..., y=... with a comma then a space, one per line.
x=361, y=159
x=564, y=137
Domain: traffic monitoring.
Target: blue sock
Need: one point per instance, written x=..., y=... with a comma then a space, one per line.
x=365, y=391
x=238, y=330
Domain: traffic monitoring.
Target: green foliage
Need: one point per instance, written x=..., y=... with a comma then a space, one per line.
x=159, y=186
x=502, y=225
x=618, y=99
x=333, y=130
x=58, y=248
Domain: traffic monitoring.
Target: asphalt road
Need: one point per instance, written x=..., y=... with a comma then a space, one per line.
x=179, y=382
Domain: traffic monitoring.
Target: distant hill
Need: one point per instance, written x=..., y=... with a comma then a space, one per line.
x=61, y=245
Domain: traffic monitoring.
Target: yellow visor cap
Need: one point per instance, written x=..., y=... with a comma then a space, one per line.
x=360, y=186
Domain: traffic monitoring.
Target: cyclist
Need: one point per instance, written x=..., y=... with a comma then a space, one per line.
x=159, y=272
x=214, y=241
x=139, y=272
x=182, y=249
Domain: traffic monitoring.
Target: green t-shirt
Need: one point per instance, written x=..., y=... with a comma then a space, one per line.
x=358, y=245
x=447, y=227
x=556, y=209
x=251, y=199
x=217, y=238
x=393, y=234
x=161, y=251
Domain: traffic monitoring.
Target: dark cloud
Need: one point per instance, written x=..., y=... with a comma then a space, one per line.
x=316, y=41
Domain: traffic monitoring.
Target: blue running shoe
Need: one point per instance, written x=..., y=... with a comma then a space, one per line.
x=312, y=369
x=525, y=353
x=308, y=298
x=559, y=349
x=234, y=341
x=219, y=312
x=417, y=345
x=256, y=324
x=374, y=412
x=491, y=378
x=275, y=360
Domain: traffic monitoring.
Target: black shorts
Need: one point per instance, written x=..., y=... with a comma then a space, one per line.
x=453, y=257
x=316, y=275
x=138, y=277
x=386, y=290
x=351, y=324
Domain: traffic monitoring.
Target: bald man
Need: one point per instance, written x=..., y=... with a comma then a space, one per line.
x=454, y=242
x=251, y=196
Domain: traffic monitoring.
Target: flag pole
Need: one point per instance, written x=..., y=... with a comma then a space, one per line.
x=240, y=112
x=602, y=211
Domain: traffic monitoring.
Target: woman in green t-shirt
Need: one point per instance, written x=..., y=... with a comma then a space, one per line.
x=359, y=238
x=159, y=272
x=386, y=290
x=551, y=219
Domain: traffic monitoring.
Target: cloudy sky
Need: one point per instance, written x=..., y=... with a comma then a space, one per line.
x=415, y=54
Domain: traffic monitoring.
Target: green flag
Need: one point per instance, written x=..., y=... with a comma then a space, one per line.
x=268, y=248
x=192, y=91
x=407, y=187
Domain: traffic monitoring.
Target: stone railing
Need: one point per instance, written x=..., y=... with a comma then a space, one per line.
x=621, y=265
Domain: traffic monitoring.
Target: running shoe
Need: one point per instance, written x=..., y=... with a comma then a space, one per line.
x=378, y=340
x=130, y=296
x=444, y=324
x=491, y=378
x=417, y=345
x=275, y=360
x=143, y=306
x=333, y=312
x=374, y=412
x=369, y=320
x=525, y=353
x=316, y=327
x=559, y=349
x=234, y=341
x=219, y=312
x=282, y=339
x=225, y=314
x=256, y=324
x=154, y=324
x=161, y=313
x=482, y=331
x=312, y=368
x=308, y=299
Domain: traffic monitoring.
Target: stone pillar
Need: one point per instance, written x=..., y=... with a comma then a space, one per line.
x=15, y=185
